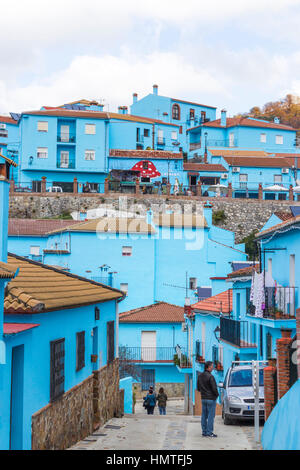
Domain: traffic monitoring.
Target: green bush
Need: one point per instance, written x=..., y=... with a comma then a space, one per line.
x=218, y=217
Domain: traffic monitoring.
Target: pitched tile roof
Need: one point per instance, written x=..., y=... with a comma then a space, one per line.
x=238, y=153
x=244, y=272
x=204, y=167
x=40, y=288
x=145, y=154
x=268, y=162
x=246, y=122
x=286, y=223
x=180, y=220
x=15, y=328
x=283, y=215
x=220, y=303
x=6, y=272
x=91, y=114
x=37, y=227
x=111, y=225
x=191, y=102
x=9, y=160
x=8, y=120
x=161, y=312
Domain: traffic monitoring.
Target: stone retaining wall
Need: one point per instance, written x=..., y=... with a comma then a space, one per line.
x=171, y=389
x=79, y=411
x=106, y=393
x=66, y=421
x=242, y=215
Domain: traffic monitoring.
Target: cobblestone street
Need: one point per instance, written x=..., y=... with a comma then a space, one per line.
x=175, y=431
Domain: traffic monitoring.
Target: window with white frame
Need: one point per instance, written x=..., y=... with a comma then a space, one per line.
x=263, y=138
x=174, y=135
x=243, y=180
x=90, y=129
x=124, y=287
x=42, y=152
x=126, y=250
x=90, y=155
x=193, y=283
x=277, y=179
x=279, y=139
x=42, y=126
x=34, y=250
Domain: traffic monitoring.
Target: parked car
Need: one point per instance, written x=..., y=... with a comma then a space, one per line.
x=54, y=189
x=237, y=394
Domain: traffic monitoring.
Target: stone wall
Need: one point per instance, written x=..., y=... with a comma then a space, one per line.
x=106, y=401
x=79, y=411
x=242, y=215
x=172, y=389
x=66, y=421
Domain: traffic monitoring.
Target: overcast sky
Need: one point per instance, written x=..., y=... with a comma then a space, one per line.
x=224, y=53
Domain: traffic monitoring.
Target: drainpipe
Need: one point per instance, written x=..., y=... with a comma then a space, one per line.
x=106, y=145
x=117, y=329
x=153, y=136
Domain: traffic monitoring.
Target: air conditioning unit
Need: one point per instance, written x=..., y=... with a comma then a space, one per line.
x=183, y=326
x=224, y=176
x=2, y=126
x=235, y=169
x=285, y=170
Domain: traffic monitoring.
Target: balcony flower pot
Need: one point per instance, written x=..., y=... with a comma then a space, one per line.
x=219, y=366
x=94, y=358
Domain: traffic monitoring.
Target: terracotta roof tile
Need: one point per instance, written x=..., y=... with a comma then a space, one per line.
x=111, y=225
x=180, y=220
x=15, y=328
x=220, y=303
x=204, y=167
x=9, y=160
x=246, y=122
x=161, y=312
x=238, y=153
x=286, y=223
x=191, y=102
x=6, y=272
x=283, y=215
x=145, y=154
x=39, y=288
x=8, y=120
x=244, y=272
x=268, y=162
x=37, y=227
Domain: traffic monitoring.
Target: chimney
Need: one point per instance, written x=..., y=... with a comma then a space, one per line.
x=155, y=89
x=122, y=110
x=223, y=117
x=165, y=117
x=276, y=120
x=134, y=98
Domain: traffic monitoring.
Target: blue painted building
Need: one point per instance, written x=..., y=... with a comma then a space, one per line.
x=125, y=252
x=148, y=337
x=10, y=140
x=58, y=349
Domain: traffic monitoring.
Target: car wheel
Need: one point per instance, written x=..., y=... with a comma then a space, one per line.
x=226, y=420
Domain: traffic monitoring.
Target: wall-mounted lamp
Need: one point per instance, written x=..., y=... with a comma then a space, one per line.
x=30, y=161
x=216, y=331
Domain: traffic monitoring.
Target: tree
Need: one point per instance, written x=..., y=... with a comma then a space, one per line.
x=127, y=364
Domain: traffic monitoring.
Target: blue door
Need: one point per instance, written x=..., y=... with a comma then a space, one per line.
x=148, y=378
x=16, y=398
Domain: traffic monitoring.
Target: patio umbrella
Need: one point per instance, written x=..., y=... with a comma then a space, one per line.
x=275, y=187
x=220, y=189
x=296, y=189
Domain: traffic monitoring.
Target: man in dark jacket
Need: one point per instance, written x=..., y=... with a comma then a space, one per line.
x=207, y=386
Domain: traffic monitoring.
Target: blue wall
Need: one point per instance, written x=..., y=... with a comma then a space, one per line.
x=126, y=384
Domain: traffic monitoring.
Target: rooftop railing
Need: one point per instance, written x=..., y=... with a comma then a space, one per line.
x=237, y=332
x=149, y=354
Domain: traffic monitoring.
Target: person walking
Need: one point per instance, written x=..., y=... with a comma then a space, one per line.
x=207, y=386
x=150, y=401
x=162, y=401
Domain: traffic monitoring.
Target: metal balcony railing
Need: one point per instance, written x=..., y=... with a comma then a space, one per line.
x=65, y=163
x=237, y=332
x=195, y=145
x=145, y=354
x=184, y=358
x=161, y=141
x=280, y=303
x=199, y=351
x=217, y=358
x=66, y=138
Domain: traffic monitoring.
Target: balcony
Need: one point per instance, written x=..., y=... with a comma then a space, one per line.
x=65, y=164
x=161, y=141
x=195, y=145
x=199, y=352
x=222, y=143
x=66, y=138
x=145, y=354
x=239, y=333
x=280, y=303
x=183, y=358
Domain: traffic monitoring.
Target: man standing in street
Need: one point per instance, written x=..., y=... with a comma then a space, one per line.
x=207, y=386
